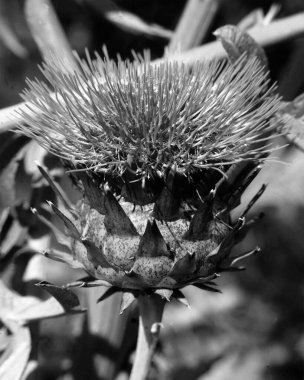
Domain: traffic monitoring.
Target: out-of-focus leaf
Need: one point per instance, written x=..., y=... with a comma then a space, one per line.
x=14, y=234
x=291, y=116
x=257, y=17
x=7, y=33
x=24, y=309
x=50, y=308
x=13, y=360
x=127, y=20
x=237, y=42
x=8, y=166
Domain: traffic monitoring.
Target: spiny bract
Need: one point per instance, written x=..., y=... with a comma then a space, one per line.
x=162, y=155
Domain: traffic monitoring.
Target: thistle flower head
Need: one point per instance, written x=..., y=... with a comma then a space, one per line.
x=109, y=113
x=164, y=138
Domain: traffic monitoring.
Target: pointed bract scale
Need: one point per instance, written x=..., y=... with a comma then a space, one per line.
x=96, y=255
x=255, y=198
x=231, y=269
x=64, y=257
x=235, y=196
x=94, y=194
x=56, y=190
x=116, y=220
x=108, y=293
x=59, y=235
x=127, y=299
x=164, y=293
x=185, y=266
x=136, y=190
x=199, y=222
x=179, y=296
x=207, y=288
x=71, y=228
x=167, y=207
x=222, y=250
x=152, y=244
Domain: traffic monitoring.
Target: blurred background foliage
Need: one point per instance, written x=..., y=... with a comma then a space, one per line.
x=254, y=329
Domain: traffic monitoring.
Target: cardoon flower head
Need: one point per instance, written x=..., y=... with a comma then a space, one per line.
x=154, y=150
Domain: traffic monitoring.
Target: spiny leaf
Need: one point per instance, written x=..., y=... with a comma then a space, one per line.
x=55, y=188
x=65, y=297
x=64, y=257
x=71, y=228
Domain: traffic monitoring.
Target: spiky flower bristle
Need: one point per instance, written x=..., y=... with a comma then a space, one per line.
x=106, y=114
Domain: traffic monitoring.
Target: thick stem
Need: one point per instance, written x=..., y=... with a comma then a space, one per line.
x=150, y=316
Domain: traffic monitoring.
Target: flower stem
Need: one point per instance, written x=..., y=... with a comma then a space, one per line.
x=150, y=315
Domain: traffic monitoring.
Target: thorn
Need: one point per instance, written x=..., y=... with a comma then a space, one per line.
x=245, y=255
x=55, y=188
x=254, y=200
x=108, y=293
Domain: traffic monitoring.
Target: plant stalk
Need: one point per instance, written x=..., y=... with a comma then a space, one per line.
x=150, y=315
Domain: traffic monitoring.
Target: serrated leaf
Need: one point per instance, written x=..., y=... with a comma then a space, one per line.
x=65, y=297
x=237, y=42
